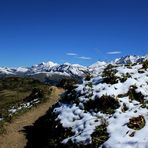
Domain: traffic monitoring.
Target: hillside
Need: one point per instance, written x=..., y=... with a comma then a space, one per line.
x=109, y=109
x=14, y=136
x=18, y=95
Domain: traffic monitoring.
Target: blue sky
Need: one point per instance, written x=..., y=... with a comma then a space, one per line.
x=75, y=31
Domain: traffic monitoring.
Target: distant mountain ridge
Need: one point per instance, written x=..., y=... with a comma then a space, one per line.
x=51, y=72
x=130, y=59
x=45, y=70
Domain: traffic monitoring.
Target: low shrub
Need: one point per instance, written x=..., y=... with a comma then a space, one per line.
x=124, y=77
x=145, y=64
x=105, y=104
x=109, y=75
x=99, y=136
x=88, y=77
x=136, y=123
x=68, y=84
x=133, y=95
x=124, y=107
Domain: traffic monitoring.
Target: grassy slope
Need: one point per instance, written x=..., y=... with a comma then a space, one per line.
x=13, y=136
x=14, y=89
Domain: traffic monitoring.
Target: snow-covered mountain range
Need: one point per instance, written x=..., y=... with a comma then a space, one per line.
x=46, y=71
x=43, y=70
x=130, y=59
x=49, y=67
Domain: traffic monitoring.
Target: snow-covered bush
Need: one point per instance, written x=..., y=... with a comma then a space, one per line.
x=145, y=64
x=109, y=76
x=105, y=104
x=136, y=123
x=134, y=95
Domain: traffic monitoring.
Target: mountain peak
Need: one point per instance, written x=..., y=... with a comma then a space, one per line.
x=129, y=59
x=46, y=64
x=98, y=64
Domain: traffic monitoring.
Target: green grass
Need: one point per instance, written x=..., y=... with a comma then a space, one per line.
x=11, y=97
x=14, y=90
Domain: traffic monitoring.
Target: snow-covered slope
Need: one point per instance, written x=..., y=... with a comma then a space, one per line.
x=6, y=71
x=71, y=69
x=43, y=67
x=129, y=59
x=109, y=110
x=97, y=67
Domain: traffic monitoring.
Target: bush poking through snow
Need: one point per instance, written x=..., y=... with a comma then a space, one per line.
x=108, y=104
x=136, y=123
x=105, y=104
x=57, y=141
x=88, y=77
x=89, y=84
x=145, y=104
x=145, y=64
x=133, y=95
x=99, y=136
x=124, y=108
x=125, y=77
x=69, y=97
x=109, y=75
x=68, y=84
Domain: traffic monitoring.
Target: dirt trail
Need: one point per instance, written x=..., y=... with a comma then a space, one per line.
x=14, y=138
